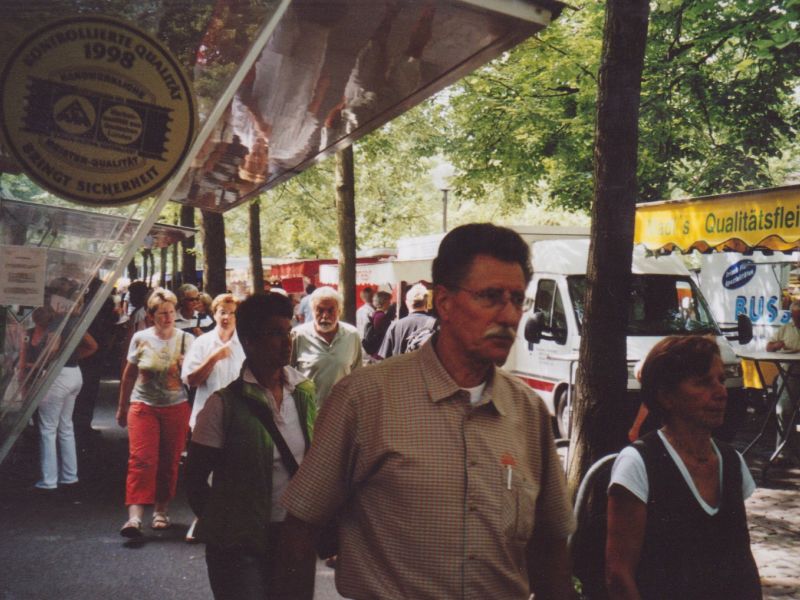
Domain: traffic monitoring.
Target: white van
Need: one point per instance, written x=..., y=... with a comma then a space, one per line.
x=664, y=301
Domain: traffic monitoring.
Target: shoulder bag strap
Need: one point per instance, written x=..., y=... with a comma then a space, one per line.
x=264, y=414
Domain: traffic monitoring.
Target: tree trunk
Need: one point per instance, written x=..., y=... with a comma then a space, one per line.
x=600, y=419
x=162, y=267
x=213, y=253
x=346, y=222
x=189, y=262
x=256, y=268
x=173, y=268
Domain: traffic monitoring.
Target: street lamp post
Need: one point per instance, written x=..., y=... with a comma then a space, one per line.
x=441, y=176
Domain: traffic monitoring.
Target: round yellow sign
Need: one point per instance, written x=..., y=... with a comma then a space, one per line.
x=96, y=110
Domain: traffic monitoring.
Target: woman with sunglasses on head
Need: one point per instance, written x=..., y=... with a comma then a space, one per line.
x=677, y=526
x=153, y=405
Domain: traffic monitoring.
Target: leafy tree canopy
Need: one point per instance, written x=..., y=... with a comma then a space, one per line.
x=718, y=102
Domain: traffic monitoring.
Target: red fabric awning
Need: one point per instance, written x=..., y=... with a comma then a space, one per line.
x=301, y=268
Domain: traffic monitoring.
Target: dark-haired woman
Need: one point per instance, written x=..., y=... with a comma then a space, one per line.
x=251, y=435
x=677, y=527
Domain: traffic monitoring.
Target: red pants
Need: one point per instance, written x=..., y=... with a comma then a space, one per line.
x=156, y=438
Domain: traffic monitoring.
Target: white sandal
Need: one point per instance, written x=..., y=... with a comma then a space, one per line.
x=132, y=528
x=160, y=521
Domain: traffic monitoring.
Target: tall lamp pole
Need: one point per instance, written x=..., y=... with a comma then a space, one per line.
x=441, y=175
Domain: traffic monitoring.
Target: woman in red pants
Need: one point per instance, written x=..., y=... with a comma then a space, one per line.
x=153, y=404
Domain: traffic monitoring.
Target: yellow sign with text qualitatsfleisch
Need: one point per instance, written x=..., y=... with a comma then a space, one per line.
x=96, y=110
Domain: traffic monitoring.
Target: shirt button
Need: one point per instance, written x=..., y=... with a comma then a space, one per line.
x=471, y=557
x=473, y=463
x=473, y=508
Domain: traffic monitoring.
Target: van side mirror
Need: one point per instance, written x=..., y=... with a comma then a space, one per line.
x=534, y=327
x=744, y=328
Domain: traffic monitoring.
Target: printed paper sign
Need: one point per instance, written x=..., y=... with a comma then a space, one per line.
x=22, y=275
x=96, y=110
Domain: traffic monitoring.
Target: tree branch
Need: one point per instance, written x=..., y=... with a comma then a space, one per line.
x=564, y=53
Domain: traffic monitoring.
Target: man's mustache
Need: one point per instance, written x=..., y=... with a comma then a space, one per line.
x=499, y=331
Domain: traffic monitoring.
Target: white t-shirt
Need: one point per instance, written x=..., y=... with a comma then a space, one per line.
x=789, y=334
x=223, y=372
x=159, y=363
x=475, y=393
x=139, y=319
x=363, y=315
x=209, y=430
x=630, y=472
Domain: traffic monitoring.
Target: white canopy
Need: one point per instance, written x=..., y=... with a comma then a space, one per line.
x=382, y=274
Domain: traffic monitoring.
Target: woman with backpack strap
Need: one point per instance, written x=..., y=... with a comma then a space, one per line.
x=677, y=526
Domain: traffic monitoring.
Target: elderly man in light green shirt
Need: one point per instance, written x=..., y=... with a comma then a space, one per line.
x=326, y=349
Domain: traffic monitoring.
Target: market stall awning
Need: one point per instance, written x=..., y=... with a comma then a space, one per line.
x=325, y=270
x=88, y=226
x=767, y=219
x=300, y=268
x=333, y=72
x=280, y=85
x=385, y=273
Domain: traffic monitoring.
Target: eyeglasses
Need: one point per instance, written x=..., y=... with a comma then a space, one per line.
x=497, y=297
x=191, y=298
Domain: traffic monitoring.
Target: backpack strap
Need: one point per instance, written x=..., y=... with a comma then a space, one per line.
x=648, y=446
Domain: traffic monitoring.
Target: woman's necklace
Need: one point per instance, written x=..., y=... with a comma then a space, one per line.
x=703, y=457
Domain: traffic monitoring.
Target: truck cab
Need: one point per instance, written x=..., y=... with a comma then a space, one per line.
x=664, y=301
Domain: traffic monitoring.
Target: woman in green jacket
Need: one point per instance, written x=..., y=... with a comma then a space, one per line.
x=235, y=441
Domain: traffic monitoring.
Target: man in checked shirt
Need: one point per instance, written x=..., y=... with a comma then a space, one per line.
x=440, y=467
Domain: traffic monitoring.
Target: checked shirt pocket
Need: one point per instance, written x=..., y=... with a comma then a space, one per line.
x=518, y=506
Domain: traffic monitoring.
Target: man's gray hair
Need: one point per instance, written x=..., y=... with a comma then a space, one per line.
x=417, y=296
x=186, y=287
x=326, y=293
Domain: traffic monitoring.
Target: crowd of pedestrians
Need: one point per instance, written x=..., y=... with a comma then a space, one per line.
x=429, y=473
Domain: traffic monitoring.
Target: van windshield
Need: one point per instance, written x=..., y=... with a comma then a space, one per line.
x=660, y=305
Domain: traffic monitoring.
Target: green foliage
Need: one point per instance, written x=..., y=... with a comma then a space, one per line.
x=528, y=117
x=718, y=104
x=395, y=196
x=718, y=96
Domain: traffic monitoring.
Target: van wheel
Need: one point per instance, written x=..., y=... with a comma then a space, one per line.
x=562, y=415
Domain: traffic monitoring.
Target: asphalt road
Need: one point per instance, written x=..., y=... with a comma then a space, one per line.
x=67, y=546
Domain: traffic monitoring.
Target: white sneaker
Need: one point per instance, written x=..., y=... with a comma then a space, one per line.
x=190, y=539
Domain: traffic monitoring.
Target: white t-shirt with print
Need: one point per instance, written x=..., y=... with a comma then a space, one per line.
x=159, y=363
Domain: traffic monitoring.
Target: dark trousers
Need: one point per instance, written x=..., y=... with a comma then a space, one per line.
x=91, y=371
x=239, y=574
